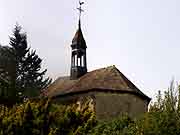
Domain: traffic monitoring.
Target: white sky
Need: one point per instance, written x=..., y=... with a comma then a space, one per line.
x=140, y=37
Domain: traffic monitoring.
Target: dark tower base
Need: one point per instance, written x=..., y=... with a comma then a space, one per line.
x=77, y=72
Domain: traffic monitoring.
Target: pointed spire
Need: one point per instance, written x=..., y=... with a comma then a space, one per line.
x=80, y=11
x=78, y=59
x=79, y=24
x=78, y=38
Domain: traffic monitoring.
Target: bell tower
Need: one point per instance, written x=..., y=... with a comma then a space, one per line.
x=78, y=52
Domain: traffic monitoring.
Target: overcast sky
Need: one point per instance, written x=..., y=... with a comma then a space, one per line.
x=140, y=37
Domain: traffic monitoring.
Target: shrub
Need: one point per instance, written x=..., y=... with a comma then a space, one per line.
x=42, y=117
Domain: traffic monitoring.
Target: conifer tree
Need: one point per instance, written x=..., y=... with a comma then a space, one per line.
x=21, y=74
x=7, y=74
x=29, y=77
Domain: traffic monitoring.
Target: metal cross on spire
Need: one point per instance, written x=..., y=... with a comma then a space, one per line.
x=80, y=10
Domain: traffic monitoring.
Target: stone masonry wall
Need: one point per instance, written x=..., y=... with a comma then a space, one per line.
x=109, y=105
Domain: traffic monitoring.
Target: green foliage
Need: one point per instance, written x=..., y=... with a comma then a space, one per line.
x=118, y=126
x=157, y=123
x=7, y=72
x=42, y=117
x=21, y=74
x=163, y=116
x=29, y=77
x=6, y=63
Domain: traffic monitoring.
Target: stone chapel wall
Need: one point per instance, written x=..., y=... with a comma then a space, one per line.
x=109, y=105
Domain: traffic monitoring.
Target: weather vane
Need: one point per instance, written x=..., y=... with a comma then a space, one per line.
x=80, y=9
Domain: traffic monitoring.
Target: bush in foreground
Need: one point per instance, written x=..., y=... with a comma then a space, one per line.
x=42, y=117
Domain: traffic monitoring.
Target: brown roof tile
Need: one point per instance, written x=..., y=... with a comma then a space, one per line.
x=60, y=85
x=109, y=78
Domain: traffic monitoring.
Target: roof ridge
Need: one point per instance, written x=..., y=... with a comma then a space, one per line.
x=111, y=66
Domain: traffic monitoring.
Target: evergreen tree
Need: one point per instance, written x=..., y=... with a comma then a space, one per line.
x=6, y=61
x=21, y=74
x=7, y=75
x=29, y=78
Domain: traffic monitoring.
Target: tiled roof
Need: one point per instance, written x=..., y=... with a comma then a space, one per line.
x=103, y=79
x=60, y=85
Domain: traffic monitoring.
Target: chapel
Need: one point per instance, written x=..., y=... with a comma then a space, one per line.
x=109, y=91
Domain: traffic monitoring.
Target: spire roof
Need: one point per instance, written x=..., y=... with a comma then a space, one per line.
x=79, y=38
